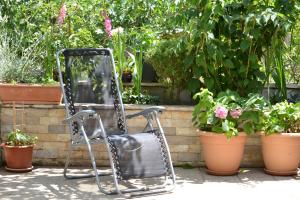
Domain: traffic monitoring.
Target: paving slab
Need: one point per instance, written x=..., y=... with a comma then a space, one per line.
x=249, y=184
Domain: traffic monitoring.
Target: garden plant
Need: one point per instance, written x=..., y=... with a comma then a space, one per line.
x=281, y=138
x=18, y=150
x=226, y=54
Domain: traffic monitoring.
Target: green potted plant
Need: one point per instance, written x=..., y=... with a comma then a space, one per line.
x=22, y=79
x=18, y=151
x=224, y=122
x=127, y=74
x=281, y=138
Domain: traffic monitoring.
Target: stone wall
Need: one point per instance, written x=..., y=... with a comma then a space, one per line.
x=46, y=122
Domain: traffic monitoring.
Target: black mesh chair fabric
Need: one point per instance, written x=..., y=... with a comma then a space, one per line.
x=138, y=155
x=89, y=80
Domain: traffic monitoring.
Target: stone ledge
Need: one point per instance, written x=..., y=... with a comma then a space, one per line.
x=98, y=106
x=183, y=139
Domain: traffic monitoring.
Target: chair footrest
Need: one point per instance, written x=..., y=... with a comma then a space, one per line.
x=138, y=155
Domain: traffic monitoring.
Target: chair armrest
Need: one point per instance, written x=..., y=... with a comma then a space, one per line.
x=147, y=111
x=81, y=115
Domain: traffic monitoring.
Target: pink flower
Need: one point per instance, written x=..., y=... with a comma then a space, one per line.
x=236, y=113
x=62, y=14
x=107, y=24
x=108, y=27
x=221, y=112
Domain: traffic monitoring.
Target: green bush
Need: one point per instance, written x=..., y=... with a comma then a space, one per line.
x=34, y=24
x=231, y=44
x=169, y=57
x=129, y=96
x=228, y=113
x=232, y=39
x=218, y=44
x=282, y=117
x=18, y=138
x=16, y=66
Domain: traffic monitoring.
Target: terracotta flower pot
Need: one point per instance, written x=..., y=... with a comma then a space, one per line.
x=281, y=153
x=30, y=94
x=18, y=158
x=127, y=77
x=222, y=156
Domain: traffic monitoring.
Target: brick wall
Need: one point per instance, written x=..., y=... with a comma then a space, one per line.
x=46, y=122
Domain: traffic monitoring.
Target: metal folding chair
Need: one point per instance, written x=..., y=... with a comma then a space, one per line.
x=89, y=78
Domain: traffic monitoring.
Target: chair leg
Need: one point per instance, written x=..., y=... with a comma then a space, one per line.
x=67, y=163
x=67, y=176
x=96, y=171
x=167, y=149
x=149, y=190
x=114, y=173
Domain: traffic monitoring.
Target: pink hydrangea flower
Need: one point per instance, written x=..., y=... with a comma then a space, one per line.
x=62, y=14
x=236, y=113
x=221, y=112
x=107, y=24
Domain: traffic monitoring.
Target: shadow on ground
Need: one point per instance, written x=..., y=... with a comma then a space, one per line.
x=49, y=183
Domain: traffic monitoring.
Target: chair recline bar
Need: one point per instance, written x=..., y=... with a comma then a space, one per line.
x=90, y=80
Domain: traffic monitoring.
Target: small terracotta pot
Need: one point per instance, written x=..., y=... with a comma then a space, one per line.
x=127, y=77
x=281, y=153
x=222, y=156
x=18, y=158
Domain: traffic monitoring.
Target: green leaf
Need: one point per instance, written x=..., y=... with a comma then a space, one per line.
x=255, y=33
x=198, y=71
x=253, y=58
x=193, y=85
x=248, y=128
x=200, y=59
x=188, y=60
x=217, y=129
x=245, y=82
x=228, y=63
x=244, y=45
x=225, y=126
x=210, y=84
x=211, y=50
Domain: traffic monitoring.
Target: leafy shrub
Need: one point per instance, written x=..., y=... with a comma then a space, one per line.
x=18, y=138
x=282, y=117
x=35, y=23
x=17, y=67
x=238, y=34
x=232, y=44
x=228, y=113
x=129, y=96
x=168, y=57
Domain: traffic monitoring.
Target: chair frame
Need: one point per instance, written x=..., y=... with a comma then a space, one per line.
x=151, y=115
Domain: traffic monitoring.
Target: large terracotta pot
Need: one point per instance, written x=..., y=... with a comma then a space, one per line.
x=30, y=94
x=222, y=156
x=18, y=158
x=281, y=153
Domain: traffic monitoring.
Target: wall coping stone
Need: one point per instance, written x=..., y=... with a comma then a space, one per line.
x=127, y=106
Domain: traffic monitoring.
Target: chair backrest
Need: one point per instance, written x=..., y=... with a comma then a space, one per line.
x=89, y=78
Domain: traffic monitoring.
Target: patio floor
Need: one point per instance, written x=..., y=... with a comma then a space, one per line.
x=48, y=183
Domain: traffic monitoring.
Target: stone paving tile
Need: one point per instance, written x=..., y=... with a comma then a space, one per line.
x=250, y=184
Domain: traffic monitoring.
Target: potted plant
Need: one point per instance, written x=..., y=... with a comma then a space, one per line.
x=22, y=79
x=281, y=138
x=127, y=74
x=18, y=151
x=224, y=122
